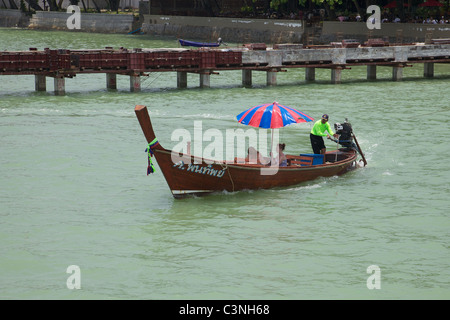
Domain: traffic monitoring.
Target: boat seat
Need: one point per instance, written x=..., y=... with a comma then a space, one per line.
x=301, y=161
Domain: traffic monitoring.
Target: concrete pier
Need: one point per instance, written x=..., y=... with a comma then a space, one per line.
x=272, y=77
x=428, y=69
x=205, y=78
x=60, y=86
x=336, y=74
x=61, y=64
x=40, y=82
x=181, y=79
x=135, y=83
x=246, y=78
x=111, y=81
x=371, y=72
x=310, y=74
x=397, y=73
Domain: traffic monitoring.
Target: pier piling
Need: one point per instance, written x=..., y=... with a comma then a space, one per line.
x=428, y=69
x=310, y=74
x=272, y=77
x=40, y=82
x=135, y=83
x=60, y=85
x=181, y=79
x=205, y=78
x=371, y=72
x=246, y=78
x=397, y=73
x=111, y=81
x=336, y=74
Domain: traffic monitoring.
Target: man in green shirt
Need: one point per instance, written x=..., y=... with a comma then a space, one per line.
x=317, y=134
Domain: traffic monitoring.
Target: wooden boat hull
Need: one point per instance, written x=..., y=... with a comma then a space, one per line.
x=192, y=175
x=189, y=175
x=187, y=43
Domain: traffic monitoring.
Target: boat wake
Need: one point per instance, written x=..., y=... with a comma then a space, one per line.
x=319, y=183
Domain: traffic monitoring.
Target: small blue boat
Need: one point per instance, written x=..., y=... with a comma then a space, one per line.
x=187, y=43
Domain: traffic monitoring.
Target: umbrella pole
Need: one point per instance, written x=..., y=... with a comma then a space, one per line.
x=337, y=149
x=271, y=146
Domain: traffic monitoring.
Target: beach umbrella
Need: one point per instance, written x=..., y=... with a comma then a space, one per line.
x=272, y=116
x=431, y=3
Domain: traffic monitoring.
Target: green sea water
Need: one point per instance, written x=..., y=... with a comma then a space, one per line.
x=74, y=189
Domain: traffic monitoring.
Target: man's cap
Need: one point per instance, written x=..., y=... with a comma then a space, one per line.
x=325, y=117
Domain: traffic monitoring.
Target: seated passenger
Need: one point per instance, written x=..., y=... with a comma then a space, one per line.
x=281, y=160
x=255, y=157
x=252, y=156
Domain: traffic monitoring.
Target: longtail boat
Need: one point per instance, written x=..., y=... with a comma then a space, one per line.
x=191, y=175
x=187, y=43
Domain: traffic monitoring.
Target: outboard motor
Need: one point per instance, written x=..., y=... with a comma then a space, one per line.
x=345, y=132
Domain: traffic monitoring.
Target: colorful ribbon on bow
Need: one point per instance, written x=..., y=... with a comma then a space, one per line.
x=151, y=145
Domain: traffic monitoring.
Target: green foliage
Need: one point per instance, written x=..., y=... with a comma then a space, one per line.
x=246, y=9
x=331, y=3
x=275, y=4
x=28, y=11
x=23, y=8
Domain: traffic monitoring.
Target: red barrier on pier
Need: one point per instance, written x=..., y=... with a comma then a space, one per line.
x=23, y=61
x=185, y=59
x=228, y=58
x=79, y=61
x=136, y=61
x=68, y=63
x=208, y=60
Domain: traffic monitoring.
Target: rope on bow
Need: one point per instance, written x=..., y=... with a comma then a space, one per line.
x=150, y=153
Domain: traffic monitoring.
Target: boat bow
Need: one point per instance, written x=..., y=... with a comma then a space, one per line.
x=146, y=125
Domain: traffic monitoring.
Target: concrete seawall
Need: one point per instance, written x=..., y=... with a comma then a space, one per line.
x=13, y=19
x=90, y=22
x=50, y=20
x=234, y=30
x=286, y=31
x=229, y=29
x=393, y=32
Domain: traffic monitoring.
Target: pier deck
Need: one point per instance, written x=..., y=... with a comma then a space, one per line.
x=61, y=64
